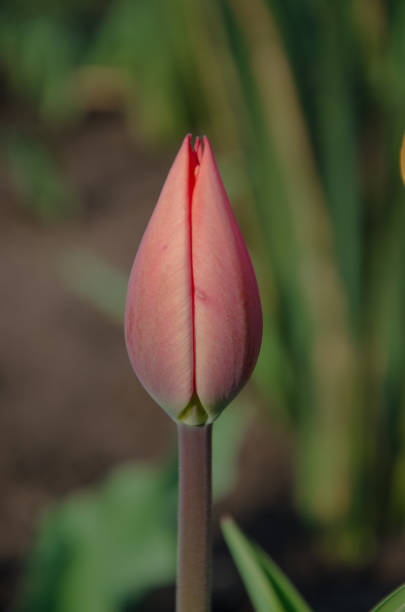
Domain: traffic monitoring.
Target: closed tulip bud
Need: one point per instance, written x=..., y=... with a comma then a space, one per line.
x=193, y=320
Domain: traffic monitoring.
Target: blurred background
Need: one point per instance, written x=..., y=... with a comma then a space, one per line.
x=304, y=104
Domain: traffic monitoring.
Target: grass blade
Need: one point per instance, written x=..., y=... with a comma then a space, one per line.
x=269, y=589
x=395, y=602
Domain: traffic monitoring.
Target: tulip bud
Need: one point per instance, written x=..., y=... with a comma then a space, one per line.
x=193, y=320
x=402, y=159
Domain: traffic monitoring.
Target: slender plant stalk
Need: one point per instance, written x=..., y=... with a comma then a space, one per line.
x=194, y=526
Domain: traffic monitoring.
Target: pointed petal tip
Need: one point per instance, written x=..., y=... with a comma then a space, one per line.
x=187, y=142
x=206, y=142
x=199, y=145
x=207, y=154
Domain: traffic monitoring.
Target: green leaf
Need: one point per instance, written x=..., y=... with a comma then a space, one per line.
x=96, y=281
x=102, y=549
x=395, y=602
x=269, y=589
x=39, y=182
x=228, y=435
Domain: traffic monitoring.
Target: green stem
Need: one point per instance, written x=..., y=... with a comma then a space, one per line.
x=194, y=528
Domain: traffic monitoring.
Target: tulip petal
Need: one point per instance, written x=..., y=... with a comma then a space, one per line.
x=159, y=308
x=227, y=311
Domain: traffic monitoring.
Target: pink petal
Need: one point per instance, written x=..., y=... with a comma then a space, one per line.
x=159, y=318
x=227, y=311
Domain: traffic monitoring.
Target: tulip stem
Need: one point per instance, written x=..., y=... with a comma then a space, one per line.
x=194, y=525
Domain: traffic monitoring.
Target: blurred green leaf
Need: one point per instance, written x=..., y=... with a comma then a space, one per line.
x=37, y=179
x=39, y=55
x=395, y=602
x=227, y=437
x=102, y=548
x=96, y=281
x=124, y=39
x=327, y=94
x=273, y=373
x=99, y=549
x=269, y=589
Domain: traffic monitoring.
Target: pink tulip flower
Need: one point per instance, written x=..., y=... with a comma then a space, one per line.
x=193, y=320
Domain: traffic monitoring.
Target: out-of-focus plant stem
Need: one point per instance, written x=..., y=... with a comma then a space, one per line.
x=194, y=519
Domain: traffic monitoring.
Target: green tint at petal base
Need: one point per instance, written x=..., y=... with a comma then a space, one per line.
x=194, y=413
